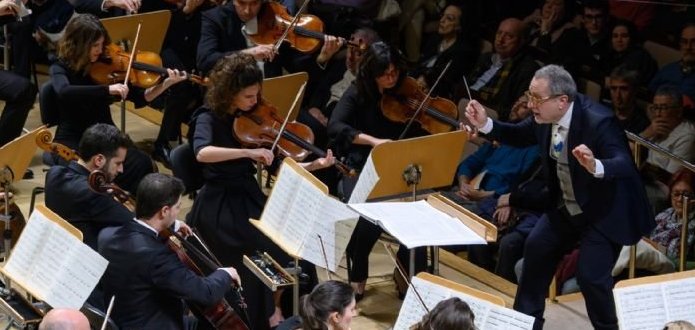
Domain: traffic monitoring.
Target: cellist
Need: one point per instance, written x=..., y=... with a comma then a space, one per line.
x=146, y=277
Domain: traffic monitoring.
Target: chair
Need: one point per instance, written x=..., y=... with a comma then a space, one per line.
x=661, y=53
x=96, y=317
x=48, y=98
x=186, y=167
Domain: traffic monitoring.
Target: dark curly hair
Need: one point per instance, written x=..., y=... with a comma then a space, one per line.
x=81, y=32
x=376, y=61
x=228, y=77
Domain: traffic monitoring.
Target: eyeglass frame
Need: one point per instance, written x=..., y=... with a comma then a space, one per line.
x=680, y=194
x=653, y=108
x=538, y=101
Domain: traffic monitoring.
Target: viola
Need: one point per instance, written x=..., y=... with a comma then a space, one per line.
x=44, y=141
x=260, y=127
x=438, y=115
x=221, y=315
x=147, y=69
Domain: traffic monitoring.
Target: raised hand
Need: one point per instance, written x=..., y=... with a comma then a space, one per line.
x=476, y=114
x=585, y=157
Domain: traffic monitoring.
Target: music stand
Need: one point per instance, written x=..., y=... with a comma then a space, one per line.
x=15, y=158
x=412, y=165
x=124, y=28
x=281, y=91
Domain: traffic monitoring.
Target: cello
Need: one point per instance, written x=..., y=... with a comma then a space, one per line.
x=221, y=315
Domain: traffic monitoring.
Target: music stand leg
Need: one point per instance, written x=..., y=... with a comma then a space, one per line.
x=295, y=288
x=435, y=260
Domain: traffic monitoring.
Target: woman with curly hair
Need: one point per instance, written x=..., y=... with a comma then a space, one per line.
x=230, y=194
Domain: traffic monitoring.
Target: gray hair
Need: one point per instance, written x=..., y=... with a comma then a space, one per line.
x=672, y=92
x=559, y=80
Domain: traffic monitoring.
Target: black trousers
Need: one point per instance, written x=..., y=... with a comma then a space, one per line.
x=19, y=95
x=181, y=100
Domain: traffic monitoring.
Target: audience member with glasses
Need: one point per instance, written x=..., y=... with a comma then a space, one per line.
x=660, y=253
x=599, y=202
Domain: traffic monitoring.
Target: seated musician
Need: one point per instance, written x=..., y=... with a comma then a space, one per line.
x=230, y=195
x=81, y=102
x=449, y=314
x=102, y=147
x=330, y=306
x=144, y=274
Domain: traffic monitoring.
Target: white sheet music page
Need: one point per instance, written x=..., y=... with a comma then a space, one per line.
x=418, y=224
x=53, y=264
x=335, y=223
x=365, y=183
x=680, y=299
x=488, y=316
x=640, y=307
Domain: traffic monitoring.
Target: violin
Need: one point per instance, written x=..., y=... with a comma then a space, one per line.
x=305, y=36
x=44, y=141
x=221, y=315
x=260, y=127
x=147, y=68
x=438, y=115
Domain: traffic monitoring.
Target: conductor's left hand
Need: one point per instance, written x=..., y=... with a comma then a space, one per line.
x=585, y=157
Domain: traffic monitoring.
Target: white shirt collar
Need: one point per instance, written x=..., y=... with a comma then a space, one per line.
x=144, y=224
x=566, y=118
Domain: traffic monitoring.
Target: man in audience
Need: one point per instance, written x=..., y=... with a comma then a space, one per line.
x=622, y=84
x=501, y=76
x=680, y=73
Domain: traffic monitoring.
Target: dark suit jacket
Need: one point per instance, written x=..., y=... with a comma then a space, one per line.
x=221, y=35
x=68, y=195
x=149, y=281
x=616, y=204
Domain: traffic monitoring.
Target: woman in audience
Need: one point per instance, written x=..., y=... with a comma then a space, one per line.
x=449, y=314
x=660, y=254
x=548, y=23
x=331, y=305
x=626, y=50
x=454, y=43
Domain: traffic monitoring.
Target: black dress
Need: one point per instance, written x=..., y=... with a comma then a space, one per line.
x=221, y=212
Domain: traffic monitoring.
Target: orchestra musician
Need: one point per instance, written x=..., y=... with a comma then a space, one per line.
x=330, y=306
x=103, y=147
x=230, y=195
x=146, y=277
x=81, y=102
x=357, y=124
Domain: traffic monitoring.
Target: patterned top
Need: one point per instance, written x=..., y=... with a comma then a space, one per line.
x=668, y=231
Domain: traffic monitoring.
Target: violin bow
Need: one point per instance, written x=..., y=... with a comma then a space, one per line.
x=108, y=313
x=132, y=56
x=294, y=21
x=424, y=101
x=287, y=117
x=400, y=268
x=325, y=258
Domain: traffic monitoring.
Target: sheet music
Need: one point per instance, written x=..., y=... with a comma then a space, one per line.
x=488, y=316
x=53, y=264
x=650, y=306
x=365, y=183
x=418, y=224
x=298, y=212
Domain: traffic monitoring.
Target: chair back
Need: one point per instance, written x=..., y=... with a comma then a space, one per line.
x=185, y=167
x=96, y=317
x=48, y=105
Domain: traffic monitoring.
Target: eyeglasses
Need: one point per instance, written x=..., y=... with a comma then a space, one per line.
x=658, y=108
x=679, y=194
x=537, y=101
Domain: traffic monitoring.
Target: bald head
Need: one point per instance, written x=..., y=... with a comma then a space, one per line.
x=64, y=319
x=510, y=37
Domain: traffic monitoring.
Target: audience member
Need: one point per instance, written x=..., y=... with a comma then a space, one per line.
x=581, y=50
x=622, y=84
x=548, y=23
x=452, y=44
x=501, y=76
x=64, y=319
x=680, y=73
x=660, y=254
x=626, y=50
x=449, y=314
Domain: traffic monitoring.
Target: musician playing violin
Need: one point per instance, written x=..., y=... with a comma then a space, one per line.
x=230, y=195
x=356, y=126
x=146, y=277
x=81, y=102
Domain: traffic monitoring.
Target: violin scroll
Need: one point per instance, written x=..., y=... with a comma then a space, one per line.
x=99, y=183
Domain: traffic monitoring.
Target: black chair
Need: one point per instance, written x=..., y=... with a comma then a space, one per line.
x=96, y=317
x=48, y=105
x=185, y=167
